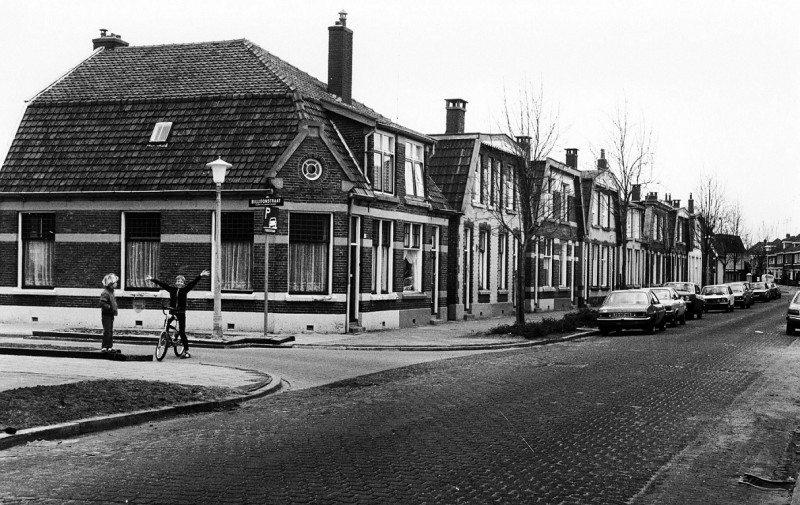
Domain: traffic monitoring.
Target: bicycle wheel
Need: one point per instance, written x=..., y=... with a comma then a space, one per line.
x=177, y=345
x=161, y=346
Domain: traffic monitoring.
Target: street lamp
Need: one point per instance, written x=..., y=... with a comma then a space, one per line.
x=218, y=169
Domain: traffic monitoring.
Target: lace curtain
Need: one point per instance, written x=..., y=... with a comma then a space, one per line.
x=308, y=267
x=237, y=266
x=142, y=260
x=39, y=262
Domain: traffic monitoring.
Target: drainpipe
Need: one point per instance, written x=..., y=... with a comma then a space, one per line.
x=349, y=263
x=536, y=276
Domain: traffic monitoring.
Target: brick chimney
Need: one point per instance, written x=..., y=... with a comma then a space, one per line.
x=340, y=59
x=690, y=204
x=636, y=192
x=108, y=41
x=456, y=115
x=572, y=157
x=524, y=142
x=652, y=197
x=602, y=163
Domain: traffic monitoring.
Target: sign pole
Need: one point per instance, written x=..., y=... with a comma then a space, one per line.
x=266, y=282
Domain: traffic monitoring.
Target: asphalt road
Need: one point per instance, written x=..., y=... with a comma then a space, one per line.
x=676, y=417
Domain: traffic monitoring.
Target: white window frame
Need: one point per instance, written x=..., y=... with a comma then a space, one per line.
x=161, y=132
x=546, y=253
x=412, y=253
x=483, y=259
x=383, y=148
x=502, y=260
x=415, y=169
x=382, y=256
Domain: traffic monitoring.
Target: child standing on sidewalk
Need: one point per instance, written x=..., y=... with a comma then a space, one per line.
x=108, y=309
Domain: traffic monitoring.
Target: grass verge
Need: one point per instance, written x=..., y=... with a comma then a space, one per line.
x=36, y=406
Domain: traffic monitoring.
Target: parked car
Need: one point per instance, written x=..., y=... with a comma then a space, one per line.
x=793, y=314
x=760, y=291
x=691, y=295
x=718, y=296
x=631, y=309
x=674, y=305
x=742, y=295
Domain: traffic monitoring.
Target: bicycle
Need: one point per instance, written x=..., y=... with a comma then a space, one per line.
x=169, y=335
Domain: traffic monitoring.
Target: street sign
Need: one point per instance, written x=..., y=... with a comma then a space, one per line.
x=273, y=201
x=271, y=219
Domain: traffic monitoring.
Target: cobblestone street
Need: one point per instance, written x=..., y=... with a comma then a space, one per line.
x=674, y=417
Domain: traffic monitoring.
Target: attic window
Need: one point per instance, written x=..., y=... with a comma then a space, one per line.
x=161, y=132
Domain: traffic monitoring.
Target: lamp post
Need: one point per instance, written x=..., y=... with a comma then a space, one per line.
x=218, y=169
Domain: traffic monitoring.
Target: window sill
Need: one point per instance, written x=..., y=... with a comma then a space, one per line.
x=417, y=202
x=484, y=292
x=309, y=298
x=502, y=291
x=411, y=295
x=386, y=197
x=546, y=289
x=384, y=296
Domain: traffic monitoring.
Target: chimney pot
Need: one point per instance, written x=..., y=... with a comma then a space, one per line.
x=108, y=41
x=602, y=163
x=456, y=115
x=636, y=192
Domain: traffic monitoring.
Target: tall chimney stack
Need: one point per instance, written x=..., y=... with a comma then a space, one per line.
x=636, y=192
x=602, y=163
x=456, y=115
x=108, y=41
x=340, y=59
x=572, y=157
x=690, y=204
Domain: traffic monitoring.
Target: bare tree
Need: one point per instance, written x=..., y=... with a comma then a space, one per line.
x=712, y=207
x=758, y=249
x=630, y=161
x=535, y=127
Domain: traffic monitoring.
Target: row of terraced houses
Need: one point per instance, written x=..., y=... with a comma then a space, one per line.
x=381, y=226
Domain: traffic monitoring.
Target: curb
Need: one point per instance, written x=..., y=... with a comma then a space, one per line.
x=69, y=353
x=462, y=347
x=110, y=422
x=276, y=342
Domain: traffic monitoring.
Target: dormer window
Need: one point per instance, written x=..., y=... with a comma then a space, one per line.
x=160, y=133
x=415, y=155
x=383, y=163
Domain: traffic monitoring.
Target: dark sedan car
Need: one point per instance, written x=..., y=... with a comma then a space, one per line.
x=674, y=304
x=689, y=292
x=760, y=291
x=631, y=309
x=742, y=295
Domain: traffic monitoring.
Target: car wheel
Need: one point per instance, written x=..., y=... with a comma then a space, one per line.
x=674, y=321
x=789, y=329
x=651, y=328
x=604, y=331
x=683, y=318
x=699, y=315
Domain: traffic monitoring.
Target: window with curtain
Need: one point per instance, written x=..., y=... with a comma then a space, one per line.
x=38, y=250
x=142, y=248
x=237, y=251
x=309, y=250
x=502, y=261
x=383, y=163
x=412, y=257
x=415, y=155
x=483, y=260
x=382, y=256
x=546, y=253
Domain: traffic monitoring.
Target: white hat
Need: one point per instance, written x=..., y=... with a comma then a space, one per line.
x=110, y=279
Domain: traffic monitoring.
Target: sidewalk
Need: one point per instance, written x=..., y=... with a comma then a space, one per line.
x=450, y=335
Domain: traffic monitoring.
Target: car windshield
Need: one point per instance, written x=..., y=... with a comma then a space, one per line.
x=757, y=285
x=737, y=289
x=681, y=286
x=714, y=290
x=663, y=294
x=626, y=299
x=796, y=298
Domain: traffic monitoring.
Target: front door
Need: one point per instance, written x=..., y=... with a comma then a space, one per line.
x=467, y=265
x=353, y=268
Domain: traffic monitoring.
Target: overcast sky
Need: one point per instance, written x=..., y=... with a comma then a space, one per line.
x=718, y=81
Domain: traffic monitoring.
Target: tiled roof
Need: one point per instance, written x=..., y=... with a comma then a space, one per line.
x=90, y=130
x=436, y=197
x=729, y=244
x=449, y=167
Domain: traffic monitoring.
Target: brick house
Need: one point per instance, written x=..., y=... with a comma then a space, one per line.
x=107, y=173
x=602, y=239
x=474, y=173
x=557, y=266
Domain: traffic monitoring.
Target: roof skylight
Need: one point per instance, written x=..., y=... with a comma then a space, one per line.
x=161, y=132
